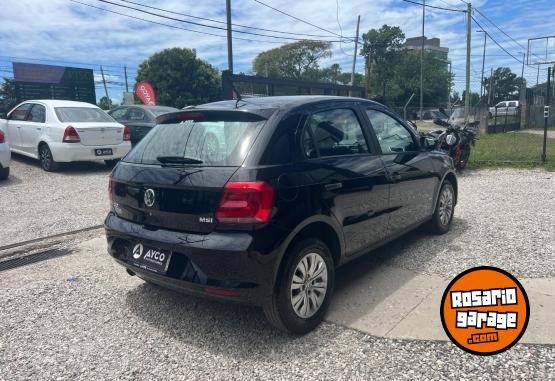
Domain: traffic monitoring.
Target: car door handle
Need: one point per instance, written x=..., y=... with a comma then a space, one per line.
x=333, y=186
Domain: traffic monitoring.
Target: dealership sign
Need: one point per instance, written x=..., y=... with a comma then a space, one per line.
x=146, y=93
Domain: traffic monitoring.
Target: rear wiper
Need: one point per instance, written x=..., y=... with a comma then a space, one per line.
x=178, y=160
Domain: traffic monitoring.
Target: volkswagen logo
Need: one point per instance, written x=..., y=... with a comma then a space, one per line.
x=150, y=196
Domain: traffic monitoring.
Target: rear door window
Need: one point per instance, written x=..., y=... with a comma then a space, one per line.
x=136, y=114
x=333, y=133
x=37, y=114
x=120, y=113
x=210, y=140
x=20, y=113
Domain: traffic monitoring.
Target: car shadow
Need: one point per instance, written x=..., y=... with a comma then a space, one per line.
x=10, y=181
x=228, y=329
x=72, y=168
x=235, y=330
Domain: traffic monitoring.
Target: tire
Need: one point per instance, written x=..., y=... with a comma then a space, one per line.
x=4, y=173
x=440, y=222
x=111, y=163
x=464, y=158
x=47, y=160
x=303, y=318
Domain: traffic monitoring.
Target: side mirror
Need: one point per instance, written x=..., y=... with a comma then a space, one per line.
x=427, y=143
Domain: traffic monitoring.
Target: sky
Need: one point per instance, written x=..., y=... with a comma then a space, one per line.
x=72, y=34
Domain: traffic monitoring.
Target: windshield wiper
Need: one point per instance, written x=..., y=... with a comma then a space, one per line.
x=178, y=160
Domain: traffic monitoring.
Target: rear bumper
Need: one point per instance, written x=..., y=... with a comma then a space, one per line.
x=219, y=265
x=5, y=156
x=67, y=152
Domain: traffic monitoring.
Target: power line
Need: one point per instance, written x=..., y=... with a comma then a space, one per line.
x=495, y=41
x=433, y=6
x=204, y=25
x=224, y=22
x=173, y=26
x=296, y=18
x=64, y=62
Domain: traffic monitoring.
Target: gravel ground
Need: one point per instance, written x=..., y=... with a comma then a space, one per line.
x=504, y=218
x=36, y=203
x=81, y=317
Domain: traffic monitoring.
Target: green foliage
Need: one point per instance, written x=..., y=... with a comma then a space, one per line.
x=516, y=149
x=7, y=95
x=505, y=85
x=345, y=79
x=105, y=105
x=298, y=60
x=394, y=72
x=474, y=98
x=180, y=78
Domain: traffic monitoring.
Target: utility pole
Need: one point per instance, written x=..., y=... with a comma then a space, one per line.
x=422, y=61
x=468, y=47
x=522, y=81
x=126, y=84
x=483, y=62
x=229, y=37
x=106, y=89
x=354, y=58
x=490, y=86
x=449, y=95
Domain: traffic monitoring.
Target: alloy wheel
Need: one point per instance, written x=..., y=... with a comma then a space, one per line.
x=446, y=205
x=309, y=285
x=45, y=157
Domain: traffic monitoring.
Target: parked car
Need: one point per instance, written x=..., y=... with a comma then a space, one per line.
x=57, y=131
x=433, y=114
x=299, y=186
x=5, y=156
x=140, y=119
x=504, y=108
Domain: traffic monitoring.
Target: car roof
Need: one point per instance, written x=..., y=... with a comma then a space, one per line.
x=152, y=107
x=261, y=103
x=61, y=103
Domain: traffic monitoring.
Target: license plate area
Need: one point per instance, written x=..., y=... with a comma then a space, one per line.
x=103, y=152
x=150, y=258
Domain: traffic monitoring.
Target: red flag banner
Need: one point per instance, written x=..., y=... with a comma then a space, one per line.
x=146, y=93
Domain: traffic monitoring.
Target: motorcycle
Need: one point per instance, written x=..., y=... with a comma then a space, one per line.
x=456, y=141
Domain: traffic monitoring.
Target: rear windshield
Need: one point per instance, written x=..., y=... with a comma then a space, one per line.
x=213, y=143
x=82, y=114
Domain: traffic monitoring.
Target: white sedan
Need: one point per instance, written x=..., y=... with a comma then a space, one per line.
x=4, y=156
x=56, y=131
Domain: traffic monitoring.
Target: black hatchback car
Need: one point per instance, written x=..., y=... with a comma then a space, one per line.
x=297, y=187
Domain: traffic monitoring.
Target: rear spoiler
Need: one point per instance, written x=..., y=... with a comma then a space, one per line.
x=211, y=115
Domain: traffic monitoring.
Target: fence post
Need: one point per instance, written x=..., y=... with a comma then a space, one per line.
x=546, y=115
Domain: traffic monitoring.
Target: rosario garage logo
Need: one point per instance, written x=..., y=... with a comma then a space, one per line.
x=485, y=310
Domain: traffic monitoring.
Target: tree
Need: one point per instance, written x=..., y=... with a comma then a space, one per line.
x=105, y=105
x=179, y=78
x=330, y=74
x=298, y=60
x=8, y=99
x=382, y=49
x=474, y=98
x=345, y=79
x=505, y=85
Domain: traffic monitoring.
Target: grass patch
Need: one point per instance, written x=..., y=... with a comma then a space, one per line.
x=519, y=150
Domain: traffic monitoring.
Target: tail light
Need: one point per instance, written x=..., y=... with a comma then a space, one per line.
x=246, y=203
x=126, y=134
x=2, y=137
x=71, y=135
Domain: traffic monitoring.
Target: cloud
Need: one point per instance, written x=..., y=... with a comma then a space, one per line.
x=64, y=31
